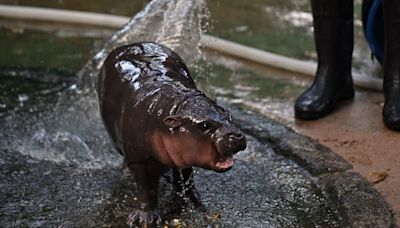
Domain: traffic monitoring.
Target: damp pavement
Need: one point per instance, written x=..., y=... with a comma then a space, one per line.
x=282, y=179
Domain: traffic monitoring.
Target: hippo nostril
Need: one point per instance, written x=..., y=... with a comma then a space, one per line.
x=236, y=142
x=235, y=138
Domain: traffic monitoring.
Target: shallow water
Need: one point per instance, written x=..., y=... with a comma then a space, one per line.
x=282, y=27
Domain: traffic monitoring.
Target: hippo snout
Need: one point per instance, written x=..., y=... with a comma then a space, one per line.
x=237, y=142
x=232, y=143
x=235, y=138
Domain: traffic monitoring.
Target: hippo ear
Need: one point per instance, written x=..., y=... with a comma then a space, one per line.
x=173, y=121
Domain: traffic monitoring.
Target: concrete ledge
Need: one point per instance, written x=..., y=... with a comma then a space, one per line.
x=358, y=204
x=312, y=156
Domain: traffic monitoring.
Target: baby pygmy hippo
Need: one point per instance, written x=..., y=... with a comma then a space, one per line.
x=157, y=118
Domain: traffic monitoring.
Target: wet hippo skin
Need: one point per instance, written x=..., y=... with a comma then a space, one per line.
x=157, y=119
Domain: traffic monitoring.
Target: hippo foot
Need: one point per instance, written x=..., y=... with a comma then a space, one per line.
x=144, y=218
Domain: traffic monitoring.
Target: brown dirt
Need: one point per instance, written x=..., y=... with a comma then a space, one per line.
x=356, y=132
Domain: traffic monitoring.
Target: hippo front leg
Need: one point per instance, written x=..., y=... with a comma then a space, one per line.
x=147, y=179
x=184, y=186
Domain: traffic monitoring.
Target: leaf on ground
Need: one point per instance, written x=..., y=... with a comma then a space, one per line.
x=376, y=177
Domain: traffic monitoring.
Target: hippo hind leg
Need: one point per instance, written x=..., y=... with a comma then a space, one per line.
x=147, y=180
x=184, y=187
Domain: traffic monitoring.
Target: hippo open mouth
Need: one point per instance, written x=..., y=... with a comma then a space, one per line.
x=226, y=148
x=224, y=163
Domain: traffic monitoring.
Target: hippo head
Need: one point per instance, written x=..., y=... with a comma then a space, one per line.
x=211, y=136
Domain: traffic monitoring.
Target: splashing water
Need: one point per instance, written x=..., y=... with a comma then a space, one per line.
x=173, y=23
x=72, y=131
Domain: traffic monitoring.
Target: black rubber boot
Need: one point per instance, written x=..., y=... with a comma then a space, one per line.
x=333, y=33
x=391, y=82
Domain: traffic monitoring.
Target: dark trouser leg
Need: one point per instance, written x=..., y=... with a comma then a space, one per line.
x=391, y=83
x=333, y=33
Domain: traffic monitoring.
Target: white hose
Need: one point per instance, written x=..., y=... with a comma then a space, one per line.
x=227, y=47
x=307, y=68
x=59, y=15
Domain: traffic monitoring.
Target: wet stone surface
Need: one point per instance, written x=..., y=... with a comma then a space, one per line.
x=266, y=188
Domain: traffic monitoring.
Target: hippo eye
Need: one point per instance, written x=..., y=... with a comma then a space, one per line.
x=204, y=126
x=207, y=127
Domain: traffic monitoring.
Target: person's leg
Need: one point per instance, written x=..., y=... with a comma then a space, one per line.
x=391, y=83
x=333, y=33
